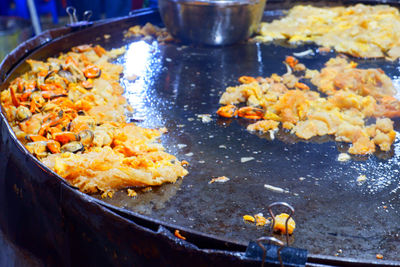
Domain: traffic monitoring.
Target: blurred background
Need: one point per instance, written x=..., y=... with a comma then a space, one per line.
x=22, y=19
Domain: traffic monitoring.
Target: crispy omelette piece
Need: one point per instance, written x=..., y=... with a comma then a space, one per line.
x=353, y=95
x=69, y=112
x=339, y=74
x=150, y=32
x=359, y=30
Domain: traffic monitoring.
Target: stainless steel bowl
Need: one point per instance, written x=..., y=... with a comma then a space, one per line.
x=212, y=22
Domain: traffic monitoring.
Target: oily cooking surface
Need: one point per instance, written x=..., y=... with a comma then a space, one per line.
x=177, y=83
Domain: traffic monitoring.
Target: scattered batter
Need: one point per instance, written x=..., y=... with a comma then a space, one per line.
x=352, y=95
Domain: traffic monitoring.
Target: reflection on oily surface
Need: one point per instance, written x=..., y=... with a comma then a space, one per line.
x=142, y=64
x=181, y=84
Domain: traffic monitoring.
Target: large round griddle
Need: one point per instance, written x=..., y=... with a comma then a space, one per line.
x=332, y=210
x=176, y=83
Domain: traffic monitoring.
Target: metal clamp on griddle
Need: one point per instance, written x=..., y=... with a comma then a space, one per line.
x=276, y=253
x=270, y=239
x=287, y=220
x=74, y=23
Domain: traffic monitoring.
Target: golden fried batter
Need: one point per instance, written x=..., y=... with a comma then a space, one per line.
x=360, y=30
x=69, y=112
x=353, y=95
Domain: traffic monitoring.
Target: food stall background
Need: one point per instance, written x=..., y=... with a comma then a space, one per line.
x=22, y=19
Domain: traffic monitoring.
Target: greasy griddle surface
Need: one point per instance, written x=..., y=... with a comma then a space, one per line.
x=333, y=212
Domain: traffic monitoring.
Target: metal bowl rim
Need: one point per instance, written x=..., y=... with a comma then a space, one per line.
x=216, y=3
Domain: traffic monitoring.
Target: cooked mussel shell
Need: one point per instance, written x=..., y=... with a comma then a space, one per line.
x=75, y=71
x=23, y=113
x=54, y=65
x=53, y=77
x=53, y=147
x=86, y=137
x=34, y=138
x=58, y=95
x=39, y=81
x=48, y=107
x=65, y=137
x=72, y=147
x=92, y=71
x=48, y=75
x=37, y=97
x=87, y=85
x=38, y=149
x=67, y=75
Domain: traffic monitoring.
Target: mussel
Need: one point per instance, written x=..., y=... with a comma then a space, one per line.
x=53, y=146
x=87, y=85
x=67, y=75
x=75, y=71
x=35, y=138
x=54, y=78
x=65, y=137
x=48, y=107
x=31, y=125
x=57, y=95
x=38, y=149
x=23, y=113
x=54, y=65
x=39, y=81
x=73, y=147
x=92, y=71
x=86, y=137
x=38, y=98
